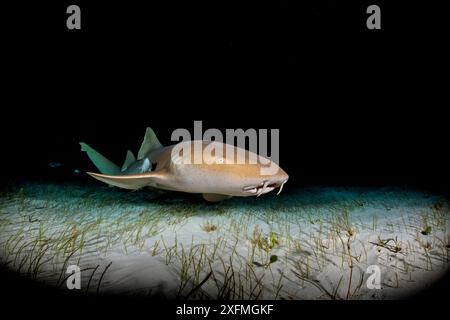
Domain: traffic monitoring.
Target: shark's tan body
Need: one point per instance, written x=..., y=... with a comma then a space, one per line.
x=217, y=177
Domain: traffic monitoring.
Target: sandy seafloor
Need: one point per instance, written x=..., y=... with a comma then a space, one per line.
x=307, y=243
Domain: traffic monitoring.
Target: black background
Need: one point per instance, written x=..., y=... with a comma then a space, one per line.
x=354, y=106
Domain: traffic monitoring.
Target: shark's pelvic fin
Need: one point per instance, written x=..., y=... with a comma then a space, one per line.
x=146, y=166
x=213, y=197
x=103, y=165
x=149, y=144
x=129, y=159
x=131, y=182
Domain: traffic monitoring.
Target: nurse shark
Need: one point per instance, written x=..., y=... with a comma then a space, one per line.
x=218, y=176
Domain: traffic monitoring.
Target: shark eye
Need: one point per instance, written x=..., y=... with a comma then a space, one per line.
x=220, y=160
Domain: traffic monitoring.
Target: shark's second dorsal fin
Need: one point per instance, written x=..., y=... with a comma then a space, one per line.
x=129, y=159
x=149, y=144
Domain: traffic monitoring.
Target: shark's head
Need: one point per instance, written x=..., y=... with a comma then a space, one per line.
x=232, y=172
x=243, y=180
x=264, y=184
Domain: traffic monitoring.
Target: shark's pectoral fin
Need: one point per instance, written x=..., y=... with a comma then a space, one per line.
x=131, y=182
x=213, y=197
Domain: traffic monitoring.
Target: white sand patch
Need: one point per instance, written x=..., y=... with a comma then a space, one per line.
x=309, y=244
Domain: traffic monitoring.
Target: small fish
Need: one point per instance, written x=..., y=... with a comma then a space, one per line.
x=55, y=164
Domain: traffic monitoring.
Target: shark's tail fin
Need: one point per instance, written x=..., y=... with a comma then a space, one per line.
x=103, y=165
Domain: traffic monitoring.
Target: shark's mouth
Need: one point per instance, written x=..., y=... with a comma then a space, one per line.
x=264, y=187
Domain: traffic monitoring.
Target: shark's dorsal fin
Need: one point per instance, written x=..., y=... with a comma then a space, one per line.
x=149, y=144
x=129, y=159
